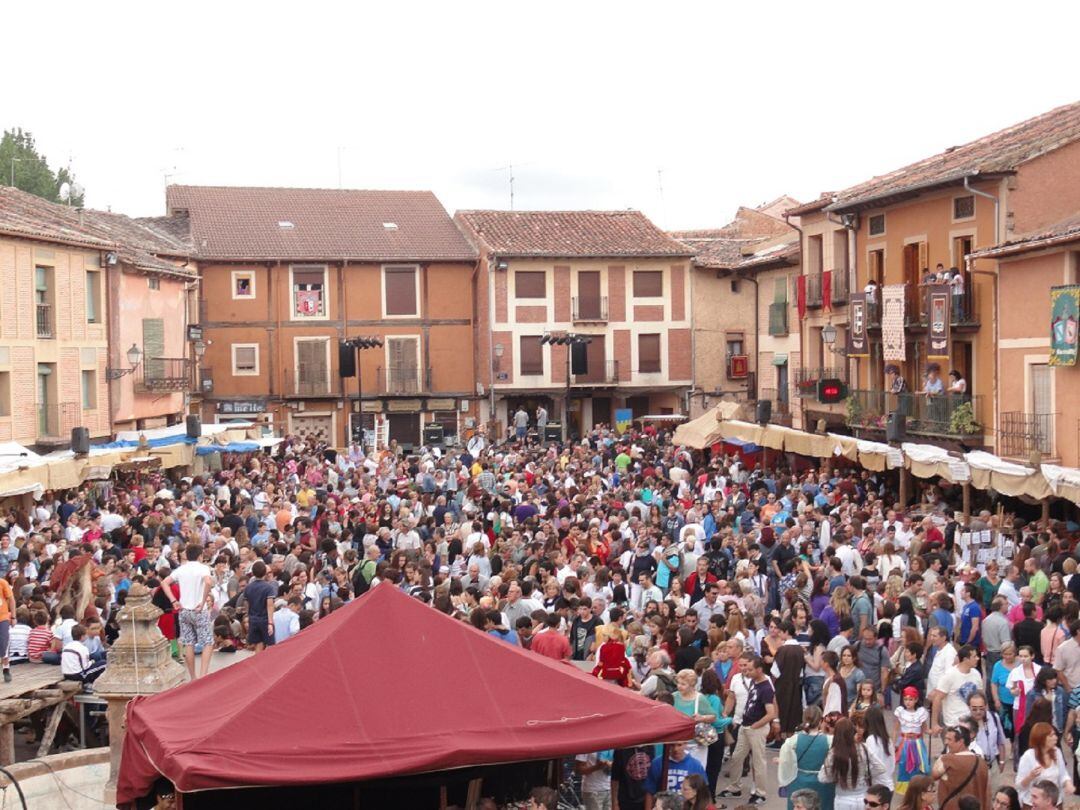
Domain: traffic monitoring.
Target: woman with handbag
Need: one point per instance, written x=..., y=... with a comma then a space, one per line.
x=692, y=703
x=851, y=767
x=801, y=757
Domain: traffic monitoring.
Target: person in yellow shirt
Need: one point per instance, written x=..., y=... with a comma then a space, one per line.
x=7, y=618
x=305, y=496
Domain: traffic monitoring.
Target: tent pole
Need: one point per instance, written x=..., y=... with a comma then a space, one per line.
x=664, y=766
x=966, y=489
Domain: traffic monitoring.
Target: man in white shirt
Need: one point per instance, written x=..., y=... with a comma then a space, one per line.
x=286, y=619
x=75, y=661
x=195, y=580
x=944, y=657
x=646, y=593
x=1010, y=586
x=952, y=689
x=849, y=559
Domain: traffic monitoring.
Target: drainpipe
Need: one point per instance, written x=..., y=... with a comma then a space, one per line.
x=757, y=326
x=492, y=422
x=802, y=357
x=994, y=275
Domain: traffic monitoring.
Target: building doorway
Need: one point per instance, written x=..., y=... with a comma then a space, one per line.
x=589, y=295
x=601, y=411
x=405, y=427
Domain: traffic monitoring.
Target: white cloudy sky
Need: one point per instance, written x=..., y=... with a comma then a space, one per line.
x=735, y=103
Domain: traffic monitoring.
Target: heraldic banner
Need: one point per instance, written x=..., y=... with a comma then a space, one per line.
x=1064, y=315
x=857, y=343
x=892, y=322
x=940, y=299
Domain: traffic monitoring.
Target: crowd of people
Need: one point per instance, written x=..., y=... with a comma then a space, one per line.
x=818, y=634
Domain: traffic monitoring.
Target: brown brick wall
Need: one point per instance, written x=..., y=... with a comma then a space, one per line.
x=616, y=292
x=649, y=313
x=558, y=364
x=500, y=296
x=530, y=314
x=678, y=292
x=621, y=349
x=679, y=359
x=562, y=293
x=506, y=362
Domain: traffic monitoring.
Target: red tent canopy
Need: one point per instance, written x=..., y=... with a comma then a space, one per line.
x=383, y=687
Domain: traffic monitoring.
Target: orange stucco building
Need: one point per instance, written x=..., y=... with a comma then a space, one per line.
x=287, y=274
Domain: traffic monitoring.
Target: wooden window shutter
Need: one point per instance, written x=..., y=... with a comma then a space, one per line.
x=309, y=277
x=311, y=358
x=401, y=291
x=532, y=355
x=245, y=358
x=530, y=284
x=153, y=330
x=924, y=257
x=648, y=353
x=780, y=291
x=648, y=283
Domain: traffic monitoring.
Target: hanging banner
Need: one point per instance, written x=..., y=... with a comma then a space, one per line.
x=624, y=418
x=826, y=289
x=800, y=296
x=1064, y=315
x=892, y=322
x=940, y=298
x=857, y=343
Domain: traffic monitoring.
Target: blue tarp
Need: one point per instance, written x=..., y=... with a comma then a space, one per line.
x=162, y=442
x=746, y=447
x=231, y=447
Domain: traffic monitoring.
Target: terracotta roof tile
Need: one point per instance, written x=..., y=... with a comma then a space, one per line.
x=725, y=248
x=1000, y=152
x=245, y=223
x=571, y=233
x=1067, y=230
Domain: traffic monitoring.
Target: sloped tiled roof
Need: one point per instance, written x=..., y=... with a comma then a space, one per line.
x=262, y=224
x=726, y=248
x=1067, y=230
x=564, y=234
x=1000, y=152
x=27, y=215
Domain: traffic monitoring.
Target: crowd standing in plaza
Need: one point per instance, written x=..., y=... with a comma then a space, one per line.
x=807, y=623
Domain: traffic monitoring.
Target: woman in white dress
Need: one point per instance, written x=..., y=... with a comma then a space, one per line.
x=1042, y=760
x=851, y=767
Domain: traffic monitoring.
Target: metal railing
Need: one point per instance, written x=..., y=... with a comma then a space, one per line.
x=839, y=287
x=591, y=309
x=55, y=420
x=939, y=415
x=1022, y=434
x=606, y=373
x=806, y=379
x=813, y=290
x=962, y=309
x=403, y=379
x=164, y=374
x=45, y=321
x=778, y=318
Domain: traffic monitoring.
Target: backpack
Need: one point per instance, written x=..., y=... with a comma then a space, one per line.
x=362, y=576
x=665, y=684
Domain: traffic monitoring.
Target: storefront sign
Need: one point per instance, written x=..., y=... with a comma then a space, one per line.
x=404, y=406
x=1064, y=316
x=371, y=406
x=940, y=299
x=194, y=331
x=857, y=346
x=442, y=405
x=242, y=406
x=893, y=345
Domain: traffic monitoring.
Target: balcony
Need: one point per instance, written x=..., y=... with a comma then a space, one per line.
x=45, y=321
x=55, y=421
x=1021, y=435
x=606, y=373
x=164, y=375
x=813, y=291
x=403, y=380
x=590, y=310
x=962, y=309
x=839, y=289
x=778, y=318
x=946, y=415
x=781, y=408
x=806, y=379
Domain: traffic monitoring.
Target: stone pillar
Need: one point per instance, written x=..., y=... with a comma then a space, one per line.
x=140, y=663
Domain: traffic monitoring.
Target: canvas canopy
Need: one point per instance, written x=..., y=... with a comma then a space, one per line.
x=380, y=660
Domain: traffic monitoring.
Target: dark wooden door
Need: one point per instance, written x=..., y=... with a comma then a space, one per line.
x=405, y=427
x=596, y=354
x=601, y=410
x=589, y=295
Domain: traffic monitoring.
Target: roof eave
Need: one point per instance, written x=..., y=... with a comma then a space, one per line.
x=16, y=233
x=511, y=255
x=1028, y=246
x=892, y=197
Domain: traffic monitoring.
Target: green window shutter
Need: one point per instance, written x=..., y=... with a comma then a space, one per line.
x=780, y=291
x=153, y=331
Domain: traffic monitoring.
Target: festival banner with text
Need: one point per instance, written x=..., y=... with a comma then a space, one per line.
x=940, y=298
x=1064, y=315
x=892, y=322
x=857, y=343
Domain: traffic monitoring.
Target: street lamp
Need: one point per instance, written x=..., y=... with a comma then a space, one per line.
x=499, y=349
x=828, y=334
x=134, y=357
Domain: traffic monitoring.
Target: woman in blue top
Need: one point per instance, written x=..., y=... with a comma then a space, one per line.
x=1003, y=697
x=799, y=755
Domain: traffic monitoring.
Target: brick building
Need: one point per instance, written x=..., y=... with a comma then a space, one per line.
x=612, y=278
x=286, y=274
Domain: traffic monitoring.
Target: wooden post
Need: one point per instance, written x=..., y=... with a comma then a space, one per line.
x=7, y=744
x=905, y=485
x=966, y=489
x=1045, y=519
x=664, y=766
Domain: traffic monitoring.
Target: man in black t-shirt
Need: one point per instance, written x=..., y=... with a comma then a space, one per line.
x=629, y=768
x=583, y=631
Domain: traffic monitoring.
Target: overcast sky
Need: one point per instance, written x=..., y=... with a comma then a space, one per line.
x=731, y=103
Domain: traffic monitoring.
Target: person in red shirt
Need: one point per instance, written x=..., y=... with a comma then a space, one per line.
x=550, y=642
x=696, y=582
x=41, y=636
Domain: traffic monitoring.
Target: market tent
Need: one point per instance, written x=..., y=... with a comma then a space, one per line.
x=379, y=661
x=699, y=433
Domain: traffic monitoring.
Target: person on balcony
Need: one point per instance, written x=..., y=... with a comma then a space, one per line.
x=957, y=384
x=933, y=385
x=956, y=282
x=894, y=383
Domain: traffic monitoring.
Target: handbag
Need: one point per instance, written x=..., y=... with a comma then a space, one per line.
x=782, y=791
x=705, y=734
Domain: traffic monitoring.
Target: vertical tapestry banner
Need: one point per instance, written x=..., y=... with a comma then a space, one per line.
x=892, y=322
x=1064, y=315
x=857, y=344
x=940, y=306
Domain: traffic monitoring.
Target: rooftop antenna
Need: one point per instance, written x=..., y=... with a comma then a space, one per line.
x=660, y=188
x=339, y=166
x=510, y=167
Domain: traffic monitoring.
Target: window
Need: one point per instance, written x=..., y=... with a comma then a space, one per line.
x=245, y=359
x=89, y=390
x=400, y=297
x=840, y=252
x=876, y=225
x=648, y=354
x=402, y=365
x=312, y=366
x=243, y=284
x=876, y=269
x=532, y=356
x=5, y=393
x=963, y=207
x=648, y=284
x=153, y=282
x=530, y=284
x=93, y=296
x=816, y=254
x=780, y=290
x=736, y=344
x=309, y=292
x=153, y=332
x=43, y=277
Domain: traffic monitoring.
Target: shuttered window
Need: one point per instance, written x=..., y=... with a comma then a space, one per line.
x=245, y=359
x=312, y=372
x=400, y=291
x=153, y=341
x=780, y=290
x=532, y=355
x=403, y=375
x=648, y=284
x=309, y=292
x=648, y=354
x=530, y=284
